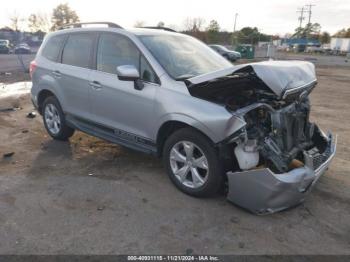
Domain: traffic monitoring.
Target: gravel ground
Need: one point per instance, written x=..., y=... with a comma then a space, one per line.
x=87, y=196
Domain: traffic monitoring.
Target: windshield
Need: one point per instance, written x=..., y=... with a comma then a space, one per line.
x=182, y=56
x=3, y=42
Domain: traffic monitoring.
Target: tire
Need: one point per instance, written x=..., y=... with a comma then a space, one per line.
x=51, y=109
x=181, y=171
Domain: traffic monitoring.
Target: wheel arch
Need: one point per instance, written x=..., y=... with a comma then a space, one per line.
x=171, y=126
x=43, y=94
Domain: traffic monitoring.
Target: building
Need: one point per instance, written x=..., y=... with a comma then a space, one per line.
x=300, y=41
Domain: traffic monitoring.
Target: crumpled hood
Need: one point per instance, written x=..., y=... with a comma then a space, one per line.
x=279, y=76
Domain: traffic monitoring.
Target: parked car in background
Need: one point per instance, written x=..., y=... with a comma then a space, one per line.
x=228, y=54
x=4, y=46
x=22, y=48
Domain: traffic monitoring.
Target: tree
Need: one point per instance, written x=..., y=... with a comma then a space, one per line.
x=213, y=26
x=161, y=24
x=213, y=31
x=139, y=24
x=38, y=22
x=33, y=23
x=343, y=33
x=16, y=21
x=251, y=35
x=311, y=30
x=325, y=38
x=194, y=24
x=62, y=15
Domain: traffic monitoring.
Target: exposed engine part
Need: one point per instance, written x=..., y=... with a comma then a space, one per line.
x=247, y=154
x=271, y=151
x=281, y=134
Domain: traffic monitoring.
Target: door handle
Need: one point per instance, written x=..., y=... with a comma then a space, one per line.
x=95, y=85
x=56, y=73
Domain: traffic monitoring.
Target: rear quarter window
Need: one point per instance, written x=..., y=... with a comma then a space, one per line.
x=52, y=48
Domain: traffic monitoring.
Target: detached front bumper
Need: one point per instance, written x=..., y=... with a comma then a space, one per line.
x=261, y=191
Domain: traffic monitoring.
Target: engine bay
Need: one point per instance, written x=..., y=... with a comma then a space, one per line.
x=282, y=135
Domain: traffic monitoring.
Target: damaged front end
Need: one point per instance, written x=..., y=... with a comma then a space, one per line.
x=280, y=158
x=280, y=154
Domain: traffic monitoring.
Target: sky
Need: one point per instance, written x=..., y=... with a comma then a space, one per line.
x=270, y=17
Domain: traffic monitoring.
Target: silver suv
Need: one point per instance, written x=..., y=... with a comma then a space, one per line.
x=245, y=127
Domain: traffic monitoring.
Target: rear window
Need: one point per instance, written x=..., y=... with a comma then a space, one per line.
x=77, y=51
x=52, y=47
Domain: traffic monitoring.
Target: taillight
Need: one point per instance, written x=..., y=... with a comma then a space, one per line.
x=32, y=68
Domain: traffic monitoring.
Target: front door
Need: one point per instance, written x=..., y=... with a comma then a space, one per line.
x=117, y=104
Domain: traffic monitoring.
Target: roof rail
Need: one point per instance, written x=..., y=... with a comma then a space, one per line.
x=80, y=25
x=159, y=27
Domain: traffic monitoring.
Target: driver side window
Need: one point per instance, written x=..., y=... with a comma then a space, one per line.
x=116, y=50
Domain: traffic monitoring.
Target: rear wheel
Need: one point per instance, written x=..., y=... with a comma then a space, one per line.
x=54, y=120
x=192, y=163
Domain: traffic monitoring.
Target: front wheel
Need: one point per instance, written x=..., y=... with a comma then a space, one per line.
x=192, y=163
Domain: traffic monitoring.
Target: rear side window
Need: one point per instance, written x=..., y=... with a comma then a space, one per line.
x=77, y=50
x=52, y=47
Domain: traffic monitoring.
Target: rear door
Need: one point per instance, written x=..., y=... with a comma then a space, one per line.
x=74, y=73
x=117, y=104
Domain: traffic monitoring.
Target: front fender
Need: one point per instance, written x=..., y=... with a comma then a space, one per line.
x=215, y=131
x=186, y=120
x=214, y=120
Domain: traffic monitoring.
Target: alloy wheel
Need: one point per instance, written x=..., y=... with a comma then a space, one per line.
x=189, y=164
x=52, y=119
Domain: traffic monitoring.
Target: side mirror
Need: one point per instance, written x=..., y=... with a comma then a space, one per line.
x=130, y=73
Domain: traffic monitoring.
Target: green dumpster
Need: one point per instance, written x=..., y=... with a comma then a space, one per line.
x=246, y=50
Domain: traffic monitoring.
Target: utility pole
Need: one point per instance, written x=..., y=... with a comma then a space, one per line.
x=234, y=27
x=234, y=30
x=309, y=7
x=301, y=17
